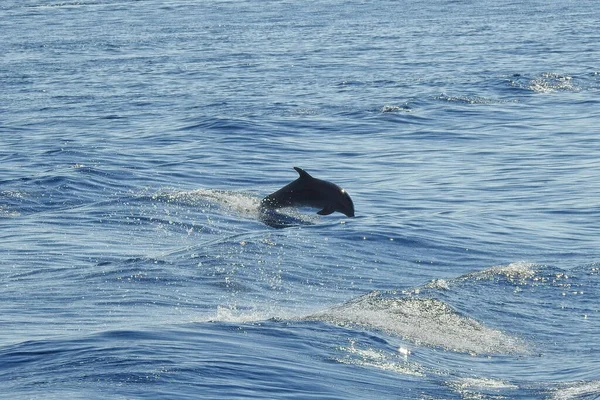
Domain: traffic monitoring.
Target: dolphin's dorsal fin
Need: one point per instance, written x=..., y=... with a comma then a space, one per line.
x=326, y=211
x=303, y=174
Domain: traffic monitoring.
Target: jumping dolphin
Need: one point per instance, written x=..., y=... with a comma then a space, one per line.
x=307, y=191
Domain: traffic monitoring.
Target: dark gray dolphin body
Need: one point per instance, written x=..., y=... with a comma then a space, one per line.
x=307, y=191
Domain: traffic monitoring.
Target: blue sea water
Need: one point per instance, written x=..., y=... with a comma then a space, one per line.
x=138, y=137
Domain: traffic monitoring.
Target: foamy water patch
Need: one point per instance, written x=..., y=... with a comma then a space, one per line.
x=8, y=213
x=518, y=274
x=578, y=390
x=469, y=99
x=482, y=388
x=423, y=321
x=547, y=82
x=238, y=202
x=252, y=313
x=366, y=356
x=234, y=314
x=395, y=108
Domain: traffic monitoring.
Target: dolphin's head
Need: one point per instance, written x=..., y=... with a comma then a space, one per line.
x=344, y=204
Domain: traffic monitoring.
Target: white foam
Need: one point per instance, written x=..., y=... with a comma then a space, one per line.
x=550, y=82
x=439, y=284
x=517, y=272
x=250, y=313
x=375, y=358
x=428, y=322
x=547, y=82
x=6, y=212
x=578, y=390
x=238, y=202
x=480, y=388
x=481, y=383
x=235, y=315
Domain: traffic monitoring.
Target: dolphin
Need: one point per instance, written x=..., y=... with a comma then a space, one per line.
x=307, y=191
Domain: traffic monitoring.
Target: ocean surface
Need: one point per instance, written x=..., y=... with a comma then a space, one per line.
x=137, y=139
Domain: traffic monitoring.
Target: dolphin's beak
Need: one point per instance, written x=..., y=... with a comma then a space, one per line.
x=349, y=212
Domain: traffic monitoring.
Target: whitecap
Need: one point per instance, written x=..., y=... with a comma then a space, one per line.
x=423, y=321
x=367, y=356
x=577, y=390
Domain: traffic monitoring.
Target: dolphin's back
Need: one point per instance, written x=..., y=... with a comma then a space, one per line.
x=290, y=194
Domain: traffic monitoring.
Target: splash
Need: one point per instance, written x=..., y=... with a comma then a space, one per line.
x=231, y=313
x=481, y=388
x=546, y=82
x=516, y=273
x=393, y=109
x=237, y=202
x=354, y=354
x=241, y=204
x=423, y=321
x=578, y=390
x=549, y=82
x=468, y=99
x=8, y=213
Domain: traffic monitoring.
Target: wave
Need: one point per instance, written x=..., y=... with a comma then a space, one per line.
x=514, y=273
x=470, y=99
x=576, y=390
x=355, y=354
x=547, y=82
x=418, y=315
x=423, y=321
x=481, y=388
x=394, y=108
